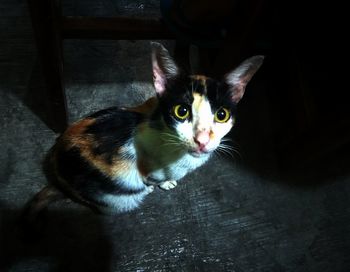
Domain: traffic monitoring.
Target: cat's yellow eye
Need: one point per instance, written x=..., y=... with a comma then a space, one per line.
x=222, y=115
x=181, y=112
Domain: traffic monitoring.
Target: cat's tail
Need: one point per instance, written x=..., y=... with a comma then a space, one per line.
x=33, y=217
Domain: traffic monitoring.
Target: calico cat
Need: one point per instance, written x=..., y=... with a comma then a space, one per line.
x=110, y=160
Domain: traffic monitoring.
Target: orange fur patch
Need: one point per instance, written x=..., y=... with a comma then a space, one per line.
x=79, y=127
x=211, y=135
x=75, y=136
x=202, y=79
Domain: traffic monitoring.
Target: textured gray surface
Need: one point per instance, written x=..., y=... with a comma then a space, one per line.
x=230, y=215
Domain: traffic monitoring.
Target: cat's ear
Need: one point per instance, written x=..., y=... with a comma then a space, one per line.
x=164, y=67
x=239, y=77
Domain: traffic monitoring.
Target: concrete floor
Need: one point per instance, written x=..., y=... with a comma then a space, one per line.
x=230, y=215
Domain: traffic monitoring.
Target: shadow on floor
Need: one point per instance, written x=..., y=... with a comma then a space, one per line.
x=63, y=246
x=268, y=163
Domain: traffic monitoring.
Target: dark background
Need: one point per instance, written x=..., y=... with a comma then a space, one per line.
x=281, y=204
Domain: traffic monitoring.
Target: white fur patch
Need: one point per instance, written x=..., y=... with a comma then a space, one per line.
x=123, y=203
x=131, y=179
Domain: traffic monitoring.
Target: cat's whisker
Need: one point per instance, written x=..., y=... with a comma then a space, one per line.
x=221, y=149
x=232, y=142
x=167, y=137
x=170, y=143
x=173, y=142
x=174, y=147
x=169, y=140
x=227, y=153
x=231, y=145
x=219, y=152
x=229, y=150
x=227, y=140
x=169, y=134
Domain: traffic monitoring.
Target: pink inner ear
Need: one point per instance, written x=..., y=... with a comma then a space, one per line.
x=158, y=80
x=237, y=92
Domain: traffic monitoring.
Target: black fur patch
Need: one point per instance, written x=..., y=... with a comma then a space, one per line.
x=85, y=178
x=198, y=87
x=178, y=92
x=219, y=95
x=112, y=129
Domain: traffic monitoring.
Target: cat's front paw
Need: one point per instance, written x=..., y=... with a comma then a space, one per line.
x=150, y=189
x=168, y=185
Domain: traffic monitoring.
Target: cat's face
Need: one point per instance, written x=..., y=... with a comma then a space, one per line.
x=199, y=110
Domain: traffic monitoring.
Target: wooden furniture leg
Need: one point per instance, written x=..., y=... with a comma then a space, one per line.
x=46, y=20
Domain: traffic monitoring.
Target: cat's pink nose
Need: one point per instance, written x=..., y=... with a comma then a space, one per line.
x=201, y=139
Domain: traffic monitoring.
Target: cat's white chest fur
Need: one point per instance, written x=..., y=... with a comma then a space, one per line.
x=179, y=168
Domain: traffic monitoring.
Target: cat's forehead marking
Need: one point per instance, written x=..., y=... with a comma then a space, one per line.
x=199, y=83
x=201, y=106
x=201, y=113
x=198, y=100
